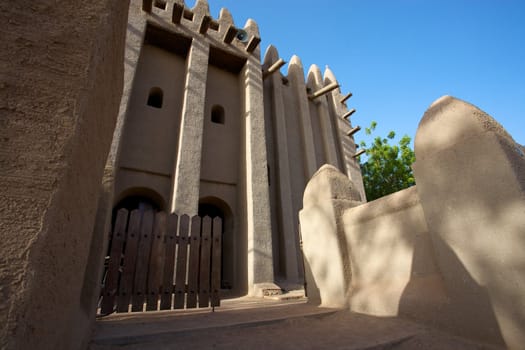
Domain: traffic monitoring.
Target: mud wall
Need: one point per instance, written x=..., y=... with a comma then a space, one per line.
x=61, y=70
x=447, y=252
x=304, y=131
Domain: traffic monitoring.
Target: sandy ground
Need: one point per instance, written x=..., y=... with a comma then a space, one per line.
x=278, y=326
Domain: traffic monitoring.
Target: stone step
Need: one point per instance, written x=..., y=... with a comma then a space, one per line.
x=291, y=295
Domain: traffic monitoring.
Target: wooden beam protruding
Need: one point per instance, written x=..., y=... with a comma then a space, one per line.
x=346, y=97
x=353, y=131
x=176, y=15
x=323, y=91
x=253, y=43
x=348, y=114
x=274, y=67
x=230, y=35
x=359, y=153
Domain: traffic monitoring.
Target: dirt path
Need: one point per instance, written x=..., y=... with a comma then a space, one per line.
x=297, y=326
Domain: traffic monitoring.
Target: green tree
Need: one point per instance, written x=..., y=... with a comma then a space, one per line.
x=387, y=168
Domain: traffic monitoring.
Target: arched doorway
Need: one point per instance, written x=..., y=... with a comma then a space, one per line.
x=142, y=199
x=139, y=198
x=136, y=198
x=215, y=207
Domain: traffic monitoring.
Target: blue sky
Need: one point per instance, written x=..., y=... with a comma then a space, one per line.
x=397, y=56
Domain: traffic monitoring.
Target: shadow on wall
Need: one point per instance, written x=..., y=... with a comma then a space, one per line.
x=327, y=261
x=326, y=272
x=470, y=180
x=382, y=236
x=447, y=252
x=466, y=310
x=398, y=269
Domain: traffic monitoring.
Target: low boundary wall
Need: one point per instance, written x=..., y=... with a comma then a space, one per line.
x=447, y=252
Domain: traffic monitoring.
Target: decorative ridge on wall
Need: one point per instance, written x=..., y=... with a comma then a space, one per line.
x=198, y=20
x=315, y=80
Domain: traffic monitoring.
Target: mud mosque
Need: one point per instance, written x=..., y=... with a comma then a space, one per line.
x=159, y=111
x=206, y=126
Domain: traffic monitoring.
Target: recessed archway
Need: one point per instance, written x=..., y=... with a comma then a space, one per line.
x=215, y=207
x=138, y=198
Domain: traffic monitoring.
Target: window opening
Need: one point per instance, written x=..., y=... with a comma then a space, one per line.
x=155, y=97
x=214, y=25
x=188, y=14
x=161, y=4
x=217, y=114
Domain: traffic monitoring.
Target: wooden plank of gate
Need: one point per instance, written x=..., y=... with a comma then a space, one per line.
x=130, y=256
x=112, y=275
x=169, y=262
x=193, y=269
x=182, y=254
x=204, y=281
x=156, y=262
x=216, y=262
x=141, y=272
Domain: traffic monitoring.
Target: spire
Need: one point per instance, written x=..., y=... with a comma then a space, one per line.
x=271, y=55
x=251, y=27
x=225, y=20
x=314, y=77
x=296, y=66
x=202, y=8
x=329, y=76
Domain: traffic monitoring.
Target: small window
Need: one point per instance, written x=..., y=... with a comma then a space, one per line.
x=155, y=97
x=217, y=114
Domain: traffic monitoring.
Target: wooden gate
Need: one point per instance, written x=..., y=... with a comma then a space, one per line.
x=162, y=262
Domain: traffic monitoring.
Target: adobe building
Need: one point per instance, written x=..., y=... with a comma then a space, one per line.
x=203, y=126
x=206, y=128
x=153, y=105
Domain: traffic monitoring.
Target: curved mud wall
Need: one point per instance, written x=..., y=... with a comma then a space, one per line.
x=447, y=252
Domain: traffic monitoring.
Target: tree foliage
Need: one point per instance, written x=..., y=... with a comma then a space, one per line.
x=387, y=168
